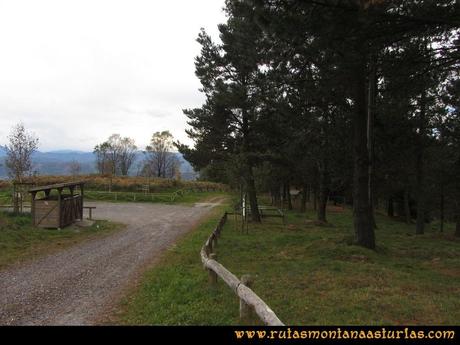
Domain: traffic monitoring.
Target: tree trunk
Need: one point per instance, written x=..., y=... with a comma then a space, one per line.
x=15, y=199
x=276, y=196
x=250, y=184
x=315, y=197
x=371, y=90
x=406, y=206
x=251, y=190
x=272, y=197
x=420, y=223
x=363, y=224
x=457, y=220
x=420, y=172
x=441, y=209
x=321, y=214
x=279, y=201
x=323, y=193
x=284, y=194
x=303, y=200
x=288, y=194
x=390, y=210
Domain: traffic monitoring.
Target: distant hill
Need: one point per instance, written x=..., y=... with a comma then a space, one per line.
x=57, y=163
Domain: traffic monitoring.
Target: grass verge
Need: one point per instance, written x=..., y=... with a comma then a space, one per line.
x=20, y=241
x=308, y=273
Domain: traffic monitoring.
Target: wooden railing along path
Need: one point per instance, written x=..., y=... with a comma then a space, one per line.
x=133, y=196
x=249, y=301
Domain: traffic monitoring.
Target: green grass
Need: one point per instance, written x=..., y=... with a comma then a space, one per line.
x=408, y=280
x=5, y=197
x=308, y=274
x=20, y=241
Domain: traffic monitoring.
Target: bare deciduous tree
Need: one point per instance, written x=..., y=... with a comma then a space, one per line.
x=21, y=145
x=159, y=160
x=103, y=165
x=126, y=154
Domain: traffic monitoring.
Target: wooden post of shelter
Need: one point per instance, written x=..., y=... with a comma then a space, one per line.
x=75, y=212
x=57, y=211
x=59, y=207
x=32, y=206
x=82, y=193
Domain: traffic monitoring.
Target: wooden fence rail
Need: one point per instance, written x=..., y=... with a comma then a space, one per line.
x=134, y=196
x=249, y=301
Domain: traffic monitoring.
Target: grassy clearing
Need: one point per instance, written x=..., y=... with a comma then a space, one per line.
x=20, y=241
x=309, y=274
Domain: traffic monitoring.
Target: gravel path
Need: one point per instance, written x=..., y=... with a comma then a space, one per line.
x=76, y=285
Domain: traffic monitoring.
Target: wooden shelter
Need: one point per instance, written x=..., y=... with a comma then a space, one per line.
x=57, y=210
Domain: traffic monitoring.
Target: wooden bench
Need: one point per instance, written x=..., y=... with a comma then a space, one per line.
x=276, y=212
x=90, y=208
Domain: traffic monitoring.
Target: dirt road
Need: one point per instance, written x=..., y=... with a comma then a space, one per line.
x=74, y=286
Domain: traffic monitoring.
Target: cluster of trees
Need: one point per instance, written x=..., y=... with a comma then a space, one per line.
x=358, y=98
x=117, y=155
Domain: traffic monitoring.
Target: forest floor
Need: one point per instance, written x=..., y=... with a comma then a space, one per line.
x=308, y=273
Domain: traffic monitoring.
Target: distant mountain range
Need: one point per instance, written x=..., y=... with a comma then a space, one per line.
x=57, y=163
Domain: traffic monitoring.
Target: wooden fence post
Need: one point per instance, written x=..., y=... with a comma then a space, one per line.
x=255, y=308
x=246, y=311
x=211, y=246
x=212, y=274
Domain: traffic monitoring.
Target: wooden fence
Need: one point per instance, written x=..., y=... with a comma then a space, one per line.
x=134, y=196
x=249, y=301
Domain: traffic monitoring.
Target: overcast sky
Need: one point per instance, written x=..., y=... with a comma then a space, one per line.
x=76, y=71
